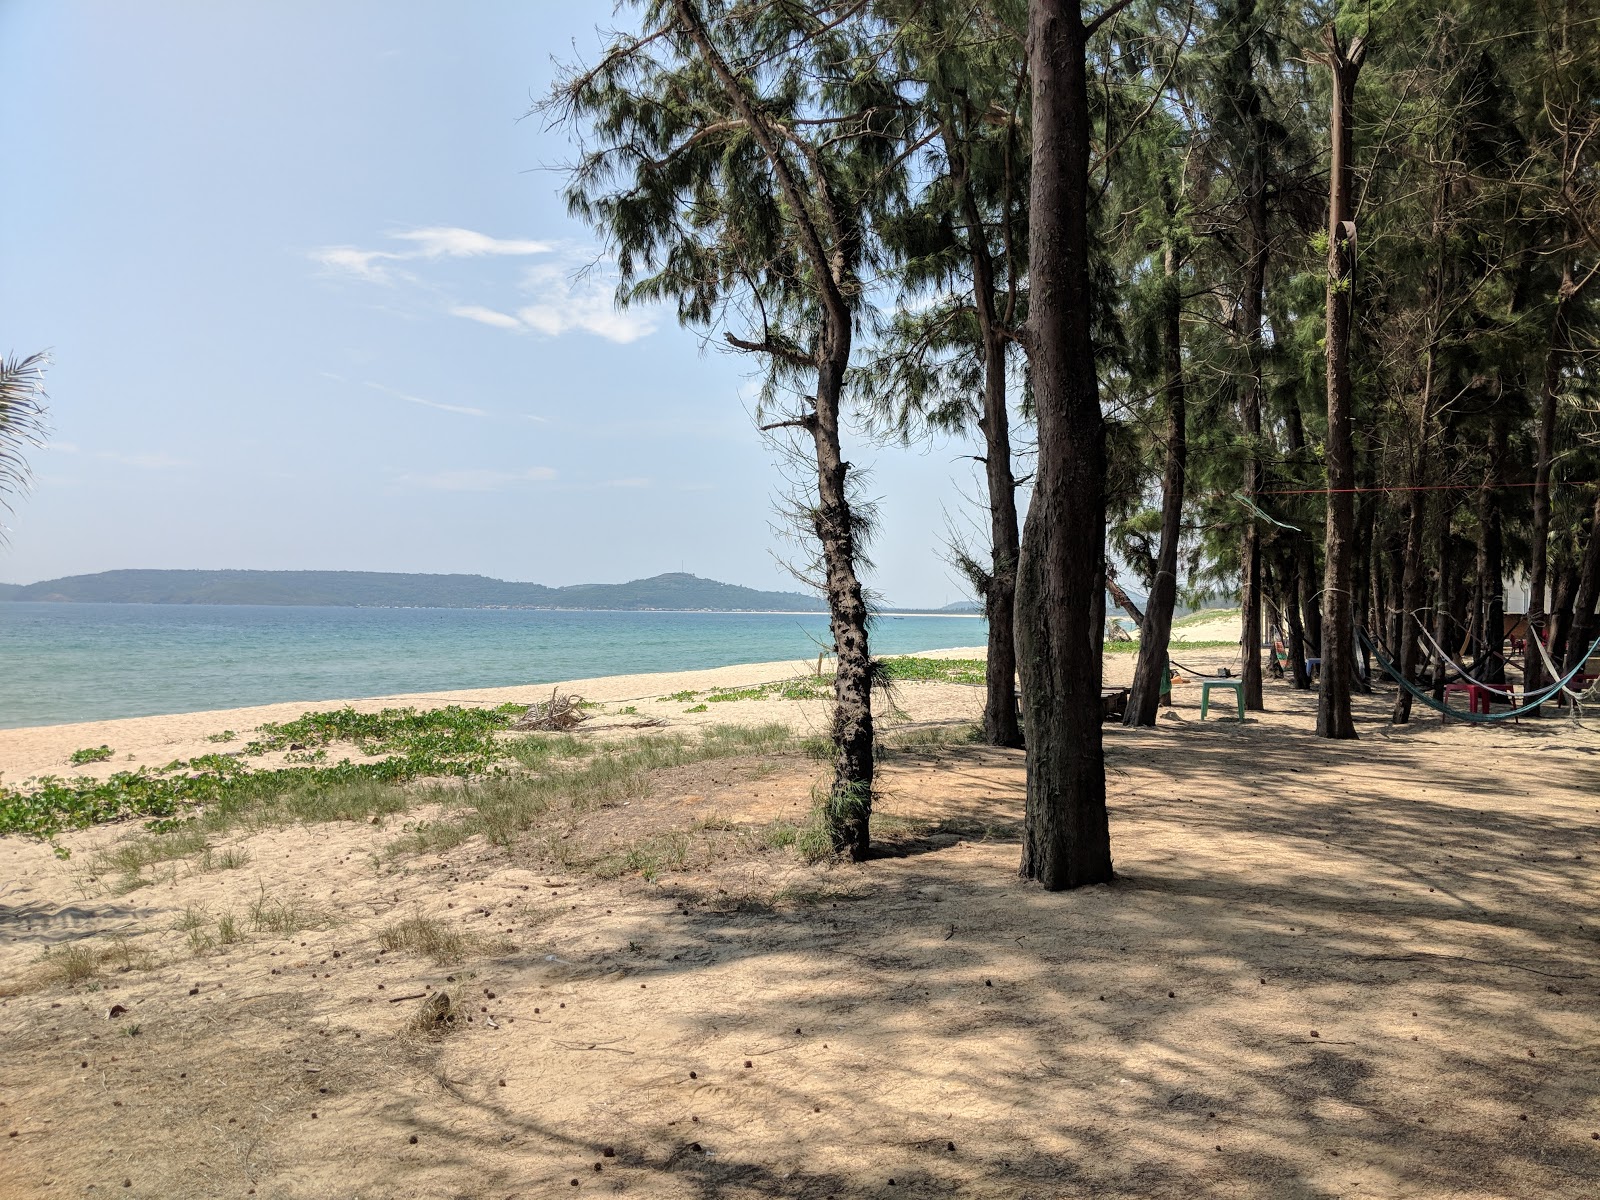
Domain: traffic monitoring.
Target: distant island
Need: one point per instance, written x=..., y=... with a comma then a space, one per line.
x=675, y=591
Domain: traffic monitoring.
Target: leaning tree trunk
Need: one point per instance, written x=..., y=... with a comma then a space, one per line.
x=1155, y=635
x=1066, y=838
x=1333, y=705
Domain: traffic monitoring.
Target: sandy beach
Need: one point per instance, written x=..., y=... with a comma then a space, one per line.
x=1326, y=969
x=152, y=741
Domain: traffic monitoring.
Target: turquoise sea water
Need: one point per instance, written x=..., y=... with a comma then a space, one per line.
x=86, y=662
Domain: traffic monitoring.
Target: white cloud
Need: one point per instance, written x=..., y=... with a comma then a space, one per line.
x=486, y=316
x=465, y=410
x=635, y=482
x=363, y=264
x=64, y=447
x=449, y=242
x=564, y=296
x=564, y=303
x=429, y=243
x=478, y=479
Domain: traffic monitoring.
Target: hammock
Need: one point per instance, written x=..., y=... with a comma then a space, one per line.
x=1527, y=701
x=1550, y=666
x=1462, y=671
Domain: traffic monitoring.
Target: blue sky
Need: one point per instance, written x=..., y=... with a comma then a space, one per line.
x=315, y=302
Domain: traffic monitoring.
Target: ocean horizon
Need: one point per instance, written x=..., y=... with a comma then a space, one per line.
x=69, y=662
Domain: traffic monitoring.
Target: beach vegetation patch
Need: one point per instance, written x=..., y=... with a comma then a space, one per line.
x=1174, y=648
x=503, y=807
x=218, y=788
x=908, y=669
x=90, y=754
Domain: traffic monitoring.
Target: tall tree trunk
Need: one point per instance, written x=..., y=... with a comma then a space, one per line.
x=1586, y=594
x=850, y=798
x=1155, y=634
x=1304, y=596
x=1244, y=98
x=1295, y=638
x=1066, y=838
x=1000, y=726
x=1413, y=585
x=1491, y=562
x=1538, y=570
x=1449, y=603
x=1333, y=704
x=1561, y=612
x=1250, y=404
x=1366, y=606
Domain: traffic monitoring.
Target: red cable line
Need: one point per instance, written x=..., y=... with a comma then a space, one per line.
x=1427, y=487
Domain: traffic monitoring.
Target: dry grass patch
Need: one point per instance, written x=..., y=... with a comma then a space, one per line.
x=438, y=940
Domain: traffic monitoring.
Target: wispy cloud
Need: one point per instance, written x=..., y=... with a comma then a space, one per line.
x=570, y=294
x=464, y=409
x=486, y=316
x=63, y=447
x=433, y=242
x=353, y=261
x=442, y=242
x=638, y=481
x=563, y=302
x=478, y=479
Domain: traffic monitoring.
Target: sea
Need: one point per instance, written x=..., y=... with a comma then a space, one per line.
x=87, y=662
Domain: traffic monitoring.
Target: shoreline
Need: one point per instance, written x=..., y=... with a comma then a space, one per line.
x=32, y=750
x=712, y=612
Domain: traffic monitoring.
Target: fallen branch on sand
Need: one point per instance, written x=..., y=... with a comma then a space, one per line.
x=555, y=715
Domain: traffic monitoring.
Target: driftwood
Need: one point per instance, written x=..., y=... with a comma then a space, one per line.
x=555, y=715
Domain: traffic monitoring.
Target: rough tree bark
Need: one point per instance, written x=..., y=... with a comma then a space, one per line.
x=1333, y=704
x=1155, y=634
x=1066, y=839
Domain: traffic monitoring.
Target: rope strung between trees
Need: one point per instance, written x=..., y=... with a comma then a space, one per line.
x=1477, y=718
x=1459, y=669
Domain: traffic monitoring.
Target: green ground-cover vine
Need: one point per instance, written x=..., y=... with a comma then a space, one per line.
x=442, y=742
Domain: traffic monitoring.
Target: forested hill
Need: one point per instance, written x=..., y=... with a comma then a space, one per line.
x=382, y=589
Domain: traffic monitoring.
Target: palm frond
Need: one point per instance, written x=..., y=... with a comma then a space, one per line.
x=24, y=421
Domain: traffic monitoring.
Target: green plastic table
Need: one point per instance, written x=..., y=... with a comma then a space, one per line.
x=1236, y=686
